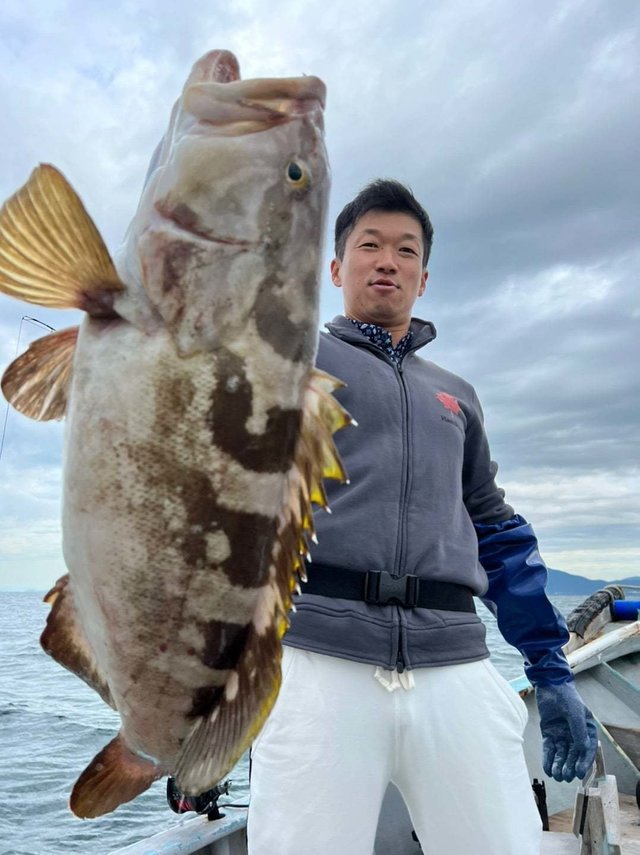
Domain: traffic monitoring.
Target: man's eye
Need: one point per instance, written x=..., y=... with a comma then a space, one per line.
x=369, y=243
x=408, y=249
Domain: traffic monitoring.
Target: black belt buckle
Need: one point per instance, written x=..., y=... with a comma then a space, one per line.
x=381, y=588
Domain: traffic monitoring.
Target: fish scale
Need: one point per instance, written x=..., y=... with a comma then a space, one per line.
x=198, y=431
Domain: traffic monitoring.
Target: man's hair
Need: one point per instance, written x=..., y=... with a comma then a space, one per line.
x=383, y=194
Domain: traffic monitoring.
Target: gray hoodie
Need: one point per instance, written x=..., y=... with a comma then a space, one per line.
x=420, y=477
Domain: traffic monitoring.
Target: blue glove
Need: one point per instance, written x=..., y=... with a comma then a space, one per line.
x=569, y=735
x=517, y=575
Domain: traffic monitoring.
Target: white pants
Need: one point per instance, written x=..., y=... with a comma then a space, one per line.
x=336, y=737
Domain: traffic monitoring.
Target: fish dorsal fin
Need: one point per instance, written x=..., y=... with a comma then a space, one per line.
x=115, y=776
x=37, y=383
x=219, y=739
x=51, y=252
x=65, y=641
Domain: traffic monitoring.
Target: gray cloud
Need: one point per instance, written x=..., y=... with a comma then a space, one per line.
x=516, y=125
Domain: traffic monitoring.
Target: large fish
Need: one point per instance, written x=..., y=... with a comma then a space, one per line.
x=198, y=431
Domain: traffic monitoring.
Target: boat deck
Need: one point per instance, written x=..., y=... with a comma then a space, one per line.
x=559, y=843
x=629, y=826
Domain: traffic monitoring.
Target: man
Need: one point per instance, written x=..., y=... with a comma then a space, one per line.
x=385, y=668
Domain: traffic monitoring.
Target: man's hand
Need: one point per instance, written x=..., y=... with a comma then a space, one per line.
x=569, y=735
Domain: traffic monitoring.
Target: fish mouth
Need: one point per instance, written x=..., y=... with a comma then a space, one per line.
x=215, y=95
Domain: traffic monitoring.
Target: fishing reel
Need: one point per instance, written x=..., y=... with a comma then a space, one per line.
x=204, y=803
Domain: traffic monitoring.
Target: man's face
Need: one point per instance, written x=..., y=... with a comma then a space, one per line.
x=381, y=272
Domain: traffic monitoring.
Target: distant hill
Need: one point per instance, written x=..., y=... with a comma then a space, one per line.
x=570, y=584
x=560, y=584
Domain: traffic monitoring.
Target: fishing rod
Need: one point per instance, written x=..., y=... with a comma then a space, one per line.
x=6, y=414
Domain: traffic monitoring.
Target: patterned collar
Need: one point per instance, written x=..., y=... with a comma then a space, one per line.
x=382, y=338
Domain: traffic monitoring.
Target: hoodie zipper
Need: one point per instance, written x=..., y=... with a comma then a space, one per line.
x=406, y=469
x=404, y=499
x=404, y=491
x=400, y=659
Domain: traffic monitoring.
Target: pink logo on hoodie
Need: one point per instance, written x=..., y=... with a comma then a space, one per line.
x=449, y=402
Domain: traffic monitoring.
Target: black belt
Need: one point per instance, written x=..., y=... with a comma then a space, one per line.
x=381, y=588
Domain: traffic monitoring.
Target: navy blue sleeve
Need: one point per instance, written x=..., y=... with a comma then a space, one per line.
x=508, y=552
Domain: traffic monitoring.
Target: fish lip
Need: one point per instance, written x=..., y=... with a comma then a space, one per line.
x=260, y=90
x=246, y=106
x=219, y=65
x=221, y=68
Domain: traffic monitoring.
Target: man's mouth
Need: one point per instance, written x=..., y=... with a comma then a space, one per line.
x=384, y=283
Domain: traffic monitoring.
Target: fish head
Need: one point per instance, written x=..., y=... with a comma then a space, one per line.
x=229, y=230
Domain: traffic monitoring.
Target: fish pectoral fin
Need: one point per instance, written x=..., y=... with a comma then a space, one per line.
x=65, y=641
x=115, y=776
x=51, y=252
x=37, y=383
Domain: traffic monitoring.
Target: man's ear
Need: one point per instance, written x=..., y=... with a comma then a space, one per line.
x=335, y=272
x=423, y=284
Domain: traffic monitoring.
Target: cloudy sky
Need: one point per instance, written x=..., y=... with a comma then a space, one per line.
x=516, y=124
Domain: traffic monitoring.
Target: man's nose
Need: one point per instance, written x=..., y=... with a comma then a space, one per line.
x=386, y=260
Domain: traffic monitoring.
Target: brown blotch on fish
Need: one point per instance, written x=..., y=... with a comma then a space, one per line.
x=271, y=315
x=205, y=700
x=179, y=392
x=247, y=533
x=185, y=217
x=224, y=642
x=179, y=255
x=98, y=302
x=270, y=451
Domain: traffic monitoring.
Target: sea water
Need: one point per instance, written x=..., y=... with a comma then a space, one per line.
x=52, y=724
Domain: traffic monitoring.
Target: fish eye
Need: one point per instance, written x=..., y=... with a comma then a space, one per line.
x=297, y=175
